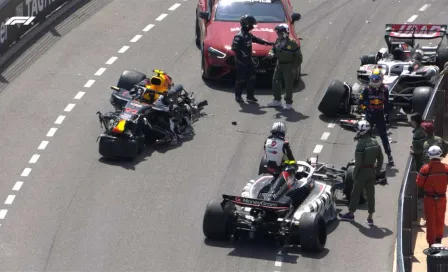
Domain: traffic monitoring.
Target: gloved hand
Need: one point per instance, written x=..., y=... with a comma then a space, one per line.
x=270, y=56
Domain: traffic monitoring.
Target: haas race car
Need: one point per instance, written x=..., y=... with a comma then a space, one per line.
x=293, y=208
x=411, y=80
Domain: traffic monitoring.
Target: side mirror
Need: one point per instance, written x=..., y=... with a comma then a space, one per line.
x=204, y=15
x=296, y=17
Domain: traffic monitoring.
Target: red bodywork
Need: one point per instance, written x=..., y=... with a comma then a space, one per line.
x=219, y=35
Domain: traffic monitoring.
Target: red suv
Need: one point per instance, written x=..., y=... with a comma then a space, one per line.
x=218, y=21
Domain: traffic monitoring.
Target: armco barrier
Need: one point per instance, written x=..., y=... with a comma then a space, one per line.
x=9, y=8
x=407, y=201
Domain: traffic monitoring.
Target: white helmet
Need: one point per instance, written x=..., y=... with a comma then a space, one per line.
x=434, y=152
x=278, y=127
x=363, y=127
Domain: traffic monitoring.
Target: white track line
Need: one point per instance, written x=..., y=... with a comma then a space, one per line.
x=26, y=172
x=318, y=149
x=136, y=38
x=59, y=120
x=173, y=7
x=100, y=71
x=278, y=261
x=17, y=186
x=325, y=136
x=111, y=60
x=42, y=145
x=413, y=17
x=69, y=107
x=10, y=199
x=51, y=132
x=123, y=49
x=34, y=158
x=89, y=83
x=331, y=125
x=148, y=27
x=161, y=17
x=79, y=95
x=3, y=213
x=424, y=7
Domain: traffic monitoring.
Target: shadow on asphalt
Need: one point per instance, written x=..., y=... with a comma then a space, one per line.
x=129, y=164
x=374, y=232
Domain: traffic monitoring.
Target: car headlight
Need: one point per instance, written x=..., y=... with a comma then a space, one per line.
x=216, y=53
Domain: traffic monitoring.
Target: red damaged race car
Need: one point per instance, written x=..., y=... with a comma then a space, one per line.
x=218, y=21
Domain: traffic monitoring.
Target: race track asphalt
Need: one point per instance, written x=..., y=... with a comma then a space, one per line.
x=75, y=212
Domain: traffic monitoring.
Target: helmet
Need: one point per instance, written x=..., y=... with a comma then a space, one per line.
x=247, y=22
x=428, y=127
x=434, y=152
x=418, y=55
x=282, y=30
x=376, y=78
x=363, y=127
x=398, y=53
x=160, y=83
x=278, y=128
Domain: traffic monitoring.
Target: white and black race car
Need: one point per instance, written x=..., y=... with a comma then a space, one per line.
x=294, y=208
x=410, y=87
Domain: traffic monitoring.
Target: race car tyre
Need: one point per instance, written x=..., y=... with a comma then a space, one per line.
x=120, y=148
x=196, y=34
x=216, y=222
x=369, y=59
x=311, y=232
x=333, y=97
x=129, y=78
x=349, y=182
x=442, y=57
x=420, y=98
x=262, y=168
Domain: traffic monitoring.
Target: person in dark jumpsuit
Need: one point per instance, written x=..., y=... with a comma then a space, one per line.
x=242, y=46
x=374, y=100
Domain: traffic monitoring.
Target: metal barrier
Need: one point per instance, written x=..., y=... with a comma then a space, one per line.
x=10, y=8
x=407, y=201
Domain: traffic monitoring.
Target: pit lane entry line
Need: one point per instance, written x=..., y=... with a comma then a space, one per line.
x=25, y=173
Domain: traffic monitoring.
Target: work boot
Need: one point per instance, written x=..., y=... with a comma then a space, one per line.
x=288, y=107
x=275, y=103
x=347, y=217
x=251, y=99
x=239, y=99
x=391, y=160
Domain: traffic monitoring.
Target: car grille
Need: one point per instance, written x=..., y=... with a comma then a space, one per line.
x=264, y=63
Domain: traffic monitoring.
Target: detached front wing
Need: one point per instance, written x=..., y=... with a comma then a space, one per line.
x=256, y=203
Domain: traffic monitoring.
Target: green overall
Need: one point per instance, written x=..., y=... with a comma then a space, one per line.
x=434, y=140
x=418, y=140
x=289, y=57
x=368, y=152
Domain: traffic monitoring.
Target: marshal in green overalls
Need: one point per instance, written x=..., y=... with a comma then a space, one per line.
x=289, y=57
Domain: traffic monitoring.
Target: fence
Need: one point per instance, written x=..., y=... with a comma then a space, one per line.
x=407, y=202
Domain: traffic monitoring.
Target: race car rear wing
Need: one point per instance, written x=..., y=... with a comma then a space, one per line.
x=256, y=203
x=415, y=31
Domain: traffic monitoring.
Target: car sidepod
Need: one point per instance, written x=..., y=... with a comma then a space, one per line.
x=321, y=201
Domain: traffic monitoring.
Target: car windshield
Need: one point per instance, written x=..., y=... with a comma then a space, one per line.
x=264, y=11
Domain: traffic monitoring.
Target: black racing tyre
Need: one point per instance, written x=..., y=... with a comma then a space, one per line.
x=420, y=98
x=197, y=35
x=262, y=168
x=369, y=59
x=216, y=222
x=333, y=97
x=311, y=231
x=129, y=78
x=442, y=57
x=349, y=182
